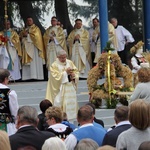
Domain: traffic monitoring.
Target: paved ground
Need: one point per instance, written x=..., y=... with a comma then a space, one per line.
x=31, y=93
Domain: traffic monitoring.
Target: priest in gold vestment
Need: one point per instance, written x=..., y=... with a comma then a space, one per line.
x=54, y=40
x=111, y=37
x=13, y=47
x=33, y=52
x=79, y=48
x=62, y=85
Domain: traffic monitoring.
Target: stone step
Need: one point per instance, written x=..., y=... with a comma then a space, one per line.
x=32, y=93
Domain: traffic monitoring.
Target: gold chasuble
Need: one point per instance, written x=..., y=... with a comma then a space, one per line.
x=13, y=47
x=60, y=91
x=112, y=36
x=15, y=39
x=79, y=50
x=36, y=37
x=53, y=46
x=33, y=56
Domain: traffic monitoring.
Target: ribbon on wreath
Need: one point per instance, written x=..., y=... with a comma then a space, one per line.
x=108, y=75
x=110, y=89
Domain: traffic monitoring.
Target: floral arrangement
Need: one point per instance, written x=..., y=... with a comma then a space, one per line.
x=3, y=40
x=99, y=92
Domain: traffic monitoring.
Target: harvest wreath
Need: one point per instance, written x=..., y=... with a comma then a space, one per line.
x=109, y=66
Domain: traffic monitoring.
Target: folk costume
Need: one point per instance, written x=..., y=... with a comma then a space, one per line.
x=60, y=130
x=8, y=109
x=138, y=60
x=87, y=130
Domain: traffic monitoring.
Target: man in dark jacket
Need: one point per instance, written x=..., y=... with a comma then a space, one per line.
x=99, y=121
x=122, y=124
x=28, y=134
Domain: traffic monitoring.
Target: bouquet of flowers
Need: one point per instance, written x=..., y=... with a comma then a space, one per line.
x=3, y=40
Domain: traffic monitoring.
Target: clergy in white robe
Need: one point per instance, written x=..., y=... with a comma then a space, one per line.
x=14, y=51
x=4, y=57
x=62, y=85
x=79, y=49
x=54, y=40
x=93, y=39
x=33, y=53
x=96, y=39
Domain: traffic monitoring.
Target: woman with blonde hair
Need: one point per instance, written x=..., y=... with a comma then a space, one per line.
x=139, y=117
x=54, y=118
x=86, y=144
x=106, y=147
x=54, y=143
x=4, y=141
x=142, y=88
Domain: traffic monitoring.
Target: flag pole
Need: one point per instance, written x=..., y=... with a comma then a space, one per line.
x=6, y=15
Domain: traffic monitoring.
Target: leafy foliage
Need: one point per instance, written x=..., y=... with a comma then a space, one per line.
x=112, y=104
x=86, y=11
x=108, y=47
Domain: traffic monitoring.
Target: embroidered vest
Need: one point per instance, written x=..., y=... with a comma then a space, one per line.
x=62, y=135
x=5, y=115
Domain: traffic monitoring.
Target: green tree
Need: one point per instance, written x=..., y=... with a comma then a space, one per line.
x=128, y=13
x=36, y=9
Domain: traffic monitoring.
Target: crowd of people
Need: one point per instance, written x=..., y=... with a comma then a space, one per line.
x=67, y=59
x=25, y=53
x=51, y=129
x=131, y=129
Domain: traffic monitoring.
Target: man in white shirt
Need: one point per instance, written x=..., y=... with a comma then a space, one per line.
x=123, y=37
x=86, y=130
